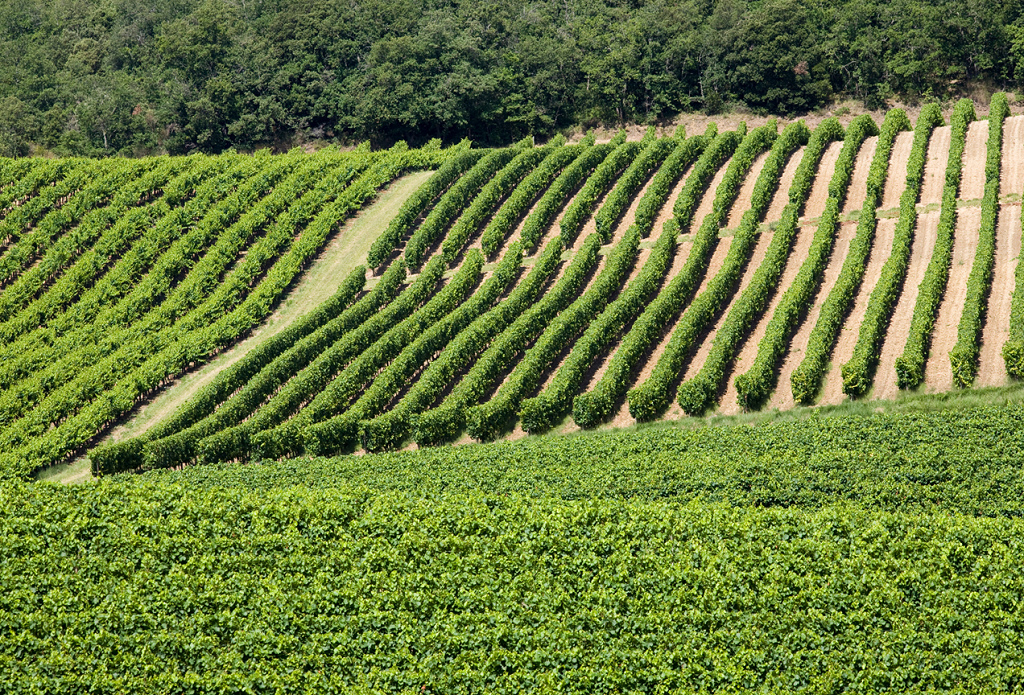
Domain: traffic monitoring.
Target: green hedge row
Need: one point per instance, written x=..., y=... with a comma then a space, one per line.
x=594, y=407
x=93, y=367
x=69, y=278
x=806, y=378
x=605, y=176
x=699, y=394
x=57, y=350
x=183, y=446
x=632, y=180
x=225, y=397
x=488, y=199
x=391, y=429
x=649, y=399
x=23, y=177
x=563, y=188
x=70, y=303
x=550, y=405
x=964, y=356
x=490, y=419
x=860, y=370
x=48, y=186
x=910, y=365
x=62, y=233
x=675, y=165
x=452, y=204
x=517, y=205
x=334, y=360
x=1013, y=348
x=341, y=432
x=79, y=421
x=385, y=246
x=755, y=385
x=444, y=422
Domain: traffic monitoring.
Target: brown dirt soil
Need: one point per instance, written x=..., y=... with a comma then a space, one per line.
x=782, y=398
x=666, y=213
x=698, y=358
x=832, y=388
x=992, y=369
x=819, y=189
x=972, y=180
x=742, y=202
x=935, y=166
x=781, y=197
x=347, y=249
x=899, y=325
x=896, y=178
x=707, y=201
x=1012, y=171
x=623, y=418
x=858, y=190
x=938, y=376
x=729, y=405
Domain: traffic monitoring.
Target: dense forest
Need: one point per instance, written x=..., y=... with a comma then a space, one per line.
x=132, y=77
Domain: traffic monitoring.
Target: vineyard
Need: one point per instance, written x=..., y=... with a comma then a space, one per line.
x=179, y=316
x=516, y=290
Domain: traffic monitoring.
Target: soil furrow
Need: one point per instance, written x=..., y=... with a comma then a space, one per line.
x=881, y=249
x=729, y=404
x=781, y=197
x=1012, y=172
x=782, y=398
x=899, y=325
x=742, y=202
x=935, y=166
x=938, y=376
x=992, y=369
x=896, y=179
x=972, y=181
x=858, y=189
x=815, y=204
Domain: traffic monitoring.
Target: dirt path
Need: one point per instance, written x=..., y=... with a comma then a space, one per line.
x=344, y=252
x=782, y=398
x=730, y=404
x=899, y=326
x=742, y=202
x=858, y=189
x=896, y=179
x=697, y=360
x=819, y=189
x=938, y=376
x=935, y=166
x=992, y=369
x=832, y=388
x=781, y=197
x=972, y=177
x=1012, y=171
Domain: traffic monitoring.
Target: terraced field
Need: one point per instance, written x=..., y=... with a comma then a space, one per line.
x=514, y=291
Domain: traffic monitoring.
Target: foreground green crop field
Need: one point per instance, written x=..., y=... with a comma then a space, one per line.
x=832, y=554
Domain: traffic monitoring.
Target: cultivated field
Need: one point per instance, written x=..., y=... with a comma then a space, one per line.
x=512, y=291
x=812, y=537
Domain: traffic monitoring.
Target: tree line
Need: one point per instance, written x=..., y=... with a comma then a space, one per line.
x=135, y=77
